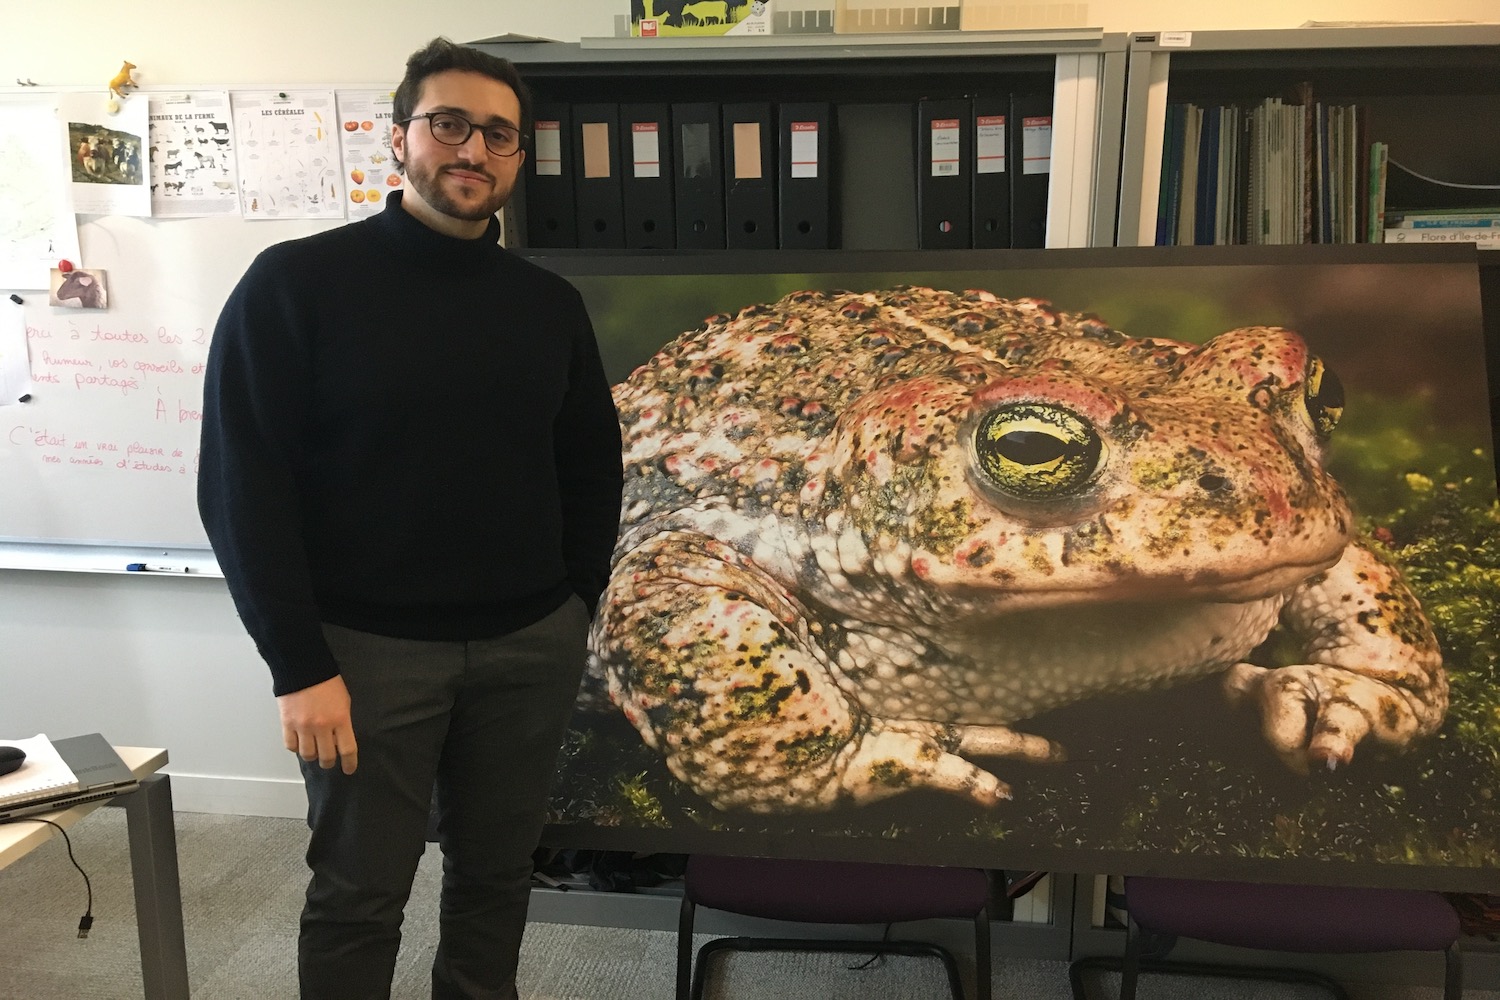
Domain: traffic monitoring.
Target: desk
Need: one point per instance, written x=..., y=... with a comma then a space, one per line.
x=153, y=867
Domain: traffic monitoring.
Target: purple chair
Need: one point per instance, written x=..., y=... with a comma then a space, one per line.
x=832, y=892
x=1295, y=918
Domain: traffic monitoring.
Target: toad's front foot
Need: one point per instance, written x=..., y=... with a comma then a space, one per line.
x=890, y=760
x=1314, y=715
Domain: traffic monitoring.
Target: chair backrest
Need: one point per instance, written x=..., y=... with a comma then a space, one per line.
x=1304, y=918
x=837, y=892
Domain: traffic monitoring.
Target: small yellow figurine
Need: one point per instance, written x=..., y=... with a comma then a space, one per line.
x=122, y=80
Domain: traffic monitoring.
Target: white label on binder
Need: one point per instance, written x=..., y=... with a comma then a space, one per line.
x=989, y=144
x=945, y=147
x=548, y=149
x=645, y=148
x=1036, y=144
x=804, y=149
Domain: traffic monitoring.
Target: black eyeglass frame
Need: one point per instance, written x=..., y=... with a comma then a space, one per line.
x=483, y=131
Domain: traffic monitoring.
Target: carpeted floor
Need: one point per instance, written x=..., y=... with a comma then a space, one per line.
x=242, y=882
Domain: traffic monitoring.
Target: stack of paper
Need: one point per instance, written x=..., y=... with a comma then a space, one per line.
x=43, y=774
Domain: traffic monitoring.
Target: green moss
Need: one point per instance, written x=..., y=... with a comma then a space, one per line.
x=640, y=805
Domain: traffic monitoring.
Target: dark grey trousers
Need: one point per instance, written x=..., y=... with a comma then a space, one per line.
x=483, y=720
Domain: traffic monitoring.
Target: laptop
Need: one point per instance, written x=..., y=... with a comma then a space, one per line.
x=100, y=772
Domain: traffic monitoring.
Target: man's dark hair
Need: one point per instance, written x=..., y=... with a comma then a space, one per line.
x=442, y=54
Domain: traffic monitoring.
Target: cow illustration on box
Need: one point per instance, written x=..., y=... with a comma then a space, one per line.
x=666, y=16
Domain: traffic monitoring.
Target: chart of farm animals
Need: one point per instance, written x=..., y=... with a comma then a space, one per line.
x=192, y=154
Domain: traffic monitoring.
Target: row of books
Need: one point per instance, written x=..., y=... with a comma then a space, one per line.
x=1298, y=171
x=1277, y=172
x=760, y=175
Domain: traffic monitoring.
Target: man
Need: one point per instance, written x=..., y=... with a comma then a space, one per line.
x=411, y=478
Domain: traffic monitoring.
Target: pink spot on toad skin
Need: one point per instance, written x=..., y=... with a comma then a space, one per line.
x=1274, y=497
x=921, y=568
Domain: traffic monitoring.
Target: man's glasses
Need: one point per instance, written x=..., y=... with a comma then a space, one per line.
x=454, y=130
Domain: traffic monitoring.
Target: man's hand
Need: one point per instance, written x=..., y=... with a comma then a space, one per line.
x=315, y=724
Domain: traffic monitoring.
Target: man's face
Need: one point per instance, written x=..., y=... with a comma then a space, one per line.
x=457, y=188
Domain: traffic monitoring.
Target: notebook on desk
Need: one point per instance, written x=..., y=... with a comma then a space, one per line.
x=99, y=770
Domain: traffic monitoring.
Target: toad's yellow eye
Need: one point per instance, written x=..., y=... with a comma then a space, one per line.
x=1036, y=451
x=1323, y=395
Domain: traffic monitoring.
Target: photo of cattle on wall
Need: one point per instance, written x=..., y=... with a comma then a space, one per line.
x=103, y=155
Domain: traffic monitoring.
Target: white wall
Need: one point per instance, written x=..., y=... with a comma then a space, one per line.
x=179, y=42
x=163, y=662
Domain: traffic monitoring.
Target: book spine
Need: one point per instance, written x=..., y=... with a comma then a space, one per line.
x=1377, y=220
x=1485, y=237
x=1443, y=221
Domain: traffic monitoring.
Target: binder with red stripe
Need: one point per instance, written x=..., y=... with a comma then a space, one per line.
x=550, y=215
x=806, y=218
x=944, y=151
x=646, y=176
x=1030, y=168
x=992, y=169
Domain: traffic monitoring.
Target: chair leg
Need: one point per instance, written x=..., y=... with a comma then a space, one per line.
x=1453, y=977
x=1130, y=967
x=982, y=954
x=684, y=949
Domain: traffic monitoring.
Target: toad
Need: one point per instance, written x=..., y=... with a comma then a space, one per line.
x=865, y=534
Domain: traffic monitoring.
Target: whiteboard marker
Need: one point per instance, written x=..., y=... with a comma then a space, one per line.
x=155, y=568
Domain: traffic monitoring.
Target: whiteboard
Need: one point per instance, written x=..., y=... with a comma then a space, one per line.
x=105, y=453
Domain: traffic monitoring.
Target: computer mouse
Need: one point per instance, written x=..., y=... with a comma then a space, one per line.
x=11, y=758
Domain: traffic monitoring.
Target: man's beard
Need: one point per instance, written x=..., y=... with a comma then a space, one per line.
x=428, y=184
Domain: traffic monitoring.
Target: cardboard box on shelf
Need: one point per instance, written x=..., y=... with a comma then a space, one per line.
x=869, y=16
x=802, y=17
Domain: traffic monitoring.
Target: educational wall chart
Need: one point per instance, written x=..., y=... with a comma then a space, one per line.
x=288, y=155
x=107, y=154
x=1094, y=560
x=192, y=150
x=37, y=225
x=365, y=142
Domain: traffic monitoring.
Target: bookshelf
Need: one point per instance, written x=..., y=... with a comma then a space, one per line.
x=874, y=82
x=1426, y=90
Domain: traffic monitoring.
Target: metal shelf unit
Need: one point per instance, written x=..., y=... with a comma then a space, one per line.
x=1424, y=83
x=1084, y=70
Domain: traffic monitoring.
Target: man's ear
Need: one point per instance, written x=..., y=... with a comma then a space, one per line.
x=398, y=144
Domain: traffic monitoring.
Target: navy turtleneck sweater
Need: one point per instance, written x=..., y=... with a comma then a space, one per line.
x=404, y=433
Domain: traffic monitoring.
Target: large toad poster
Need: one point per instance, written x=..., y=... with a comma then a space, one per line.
x=1135, y=562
